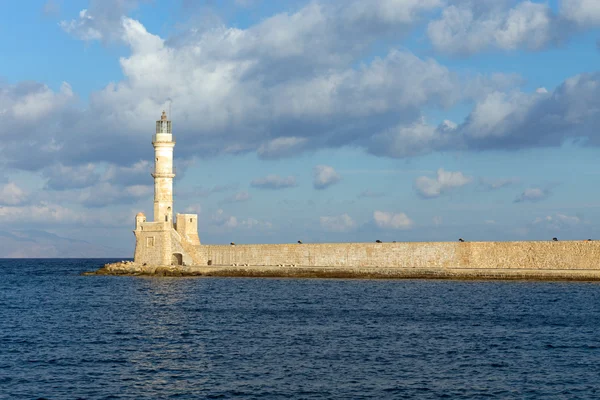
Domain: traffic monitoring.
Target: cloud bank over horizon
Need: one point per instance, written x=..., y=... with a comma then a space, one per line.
x=397, y=82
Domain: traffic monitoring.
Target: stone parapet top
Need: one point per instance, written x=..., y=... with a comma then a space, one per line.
x=156, y=226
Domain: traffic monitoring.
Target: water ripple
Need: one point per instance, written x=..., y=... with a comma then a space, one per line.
x=67, y=336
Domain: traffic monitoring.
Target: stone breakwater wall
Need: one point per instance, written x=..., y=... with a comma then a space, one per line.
x=571, y=260
x=547, y=255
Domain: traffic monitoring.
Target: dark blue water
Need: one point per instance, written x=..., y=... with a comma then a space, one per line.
x=65, y=336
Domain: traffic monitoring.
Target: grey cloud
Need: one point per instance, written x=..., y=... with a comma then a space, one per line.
x=60, y=177
x=532, y=195
x=239, y=94
x=251, y=110
x=274, y=182
x=50, y=214
x=370, y=194
x=506, y=121
x=494, y=184
x=104, y=194
x=26, y=106
x=519, y=120
x=415, y=139
x=228, y=100
x=467, y=26
x=136, y=174
x=465, y=29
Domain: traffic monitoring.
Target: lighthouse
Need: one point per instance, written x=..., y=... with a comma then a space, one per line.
x=167, y=240
x=163, y=173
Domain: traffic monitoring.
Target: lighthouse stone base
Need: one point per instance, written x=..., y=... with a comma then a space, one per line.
x=165, y=243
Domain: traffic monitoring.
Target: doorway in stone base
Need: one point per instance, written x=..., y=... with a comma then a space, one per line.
x=177, y=259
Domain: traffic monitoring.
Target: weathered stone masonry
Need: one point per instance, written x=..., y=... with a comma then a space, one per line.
x=169, y=241
x=165, y=241
x=568, y=255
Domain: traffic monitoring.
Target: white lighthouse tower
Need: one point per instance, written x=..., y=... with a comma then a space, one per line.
x=166, y=241
x=163, y=170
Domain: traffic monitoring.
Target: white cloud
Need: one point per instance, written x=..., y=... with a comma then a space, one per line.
x=557, y=222
x=340, y=223
x=410, y=140
x=444, y=182
x=533, y=195
x=83, y=28
x=437, y=220
x=45, y=213
x=388, y=11
x=136, y=174
x=278, y=87
x=389, y=220
x=238, y=197
x=193, y=209
x=61, y=177
x=466, y=28
x=105, y=194
x=12, y=195
x=274, y=182
x=582, y=12
x=281, y=147
x=324, y=176
x=290, y=83
x=225, y=221
x=523, y=120
x=101, y=21
x=252, y=223
x=30, y=102
x=488, y=116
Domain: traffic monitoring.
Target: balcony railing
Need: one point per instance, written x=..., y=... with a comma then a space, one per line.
x=156, y=140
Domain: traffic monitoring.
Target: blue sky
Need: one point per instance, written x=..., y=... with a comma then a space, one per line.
x=324, y=120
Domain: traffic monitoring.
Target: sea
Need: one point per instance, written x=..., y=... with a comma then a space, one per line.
x=67, y=336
